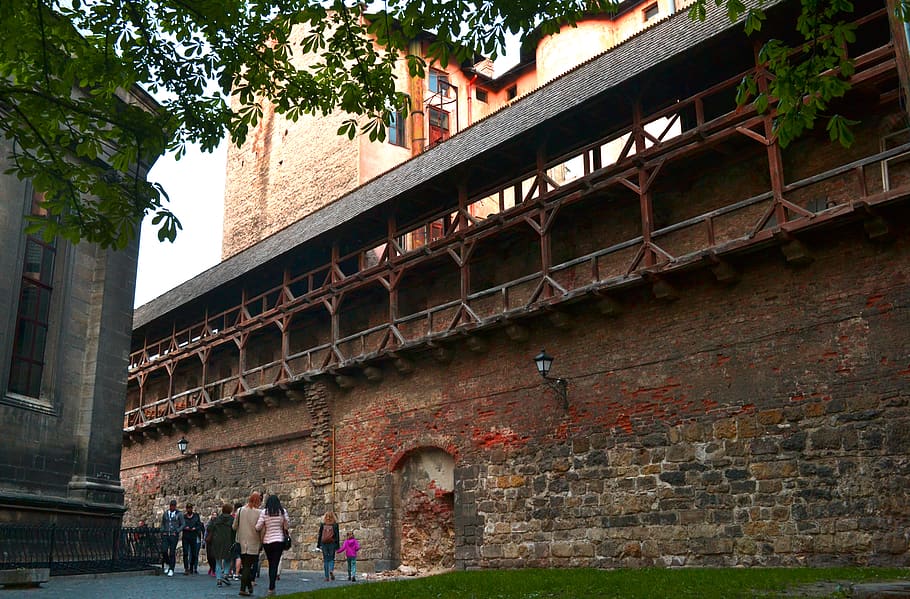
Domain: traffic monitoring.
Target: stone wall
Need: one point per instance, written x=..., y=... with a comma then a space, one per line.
x=761, y=423
x=61, y=450
x=285, y=170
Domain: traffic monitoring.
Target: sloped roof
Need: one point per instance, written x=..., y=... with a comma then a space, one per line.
x=650, y=47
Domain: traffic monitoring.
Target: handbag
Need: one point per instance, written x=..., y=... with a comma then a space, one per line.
x=287, y=540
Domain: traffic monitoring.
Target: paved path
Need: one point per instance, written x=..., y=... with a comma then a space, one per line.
x=148, y=586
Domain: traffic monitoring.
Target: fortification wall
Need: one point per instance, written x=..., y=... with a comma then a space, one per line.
x=756, y=424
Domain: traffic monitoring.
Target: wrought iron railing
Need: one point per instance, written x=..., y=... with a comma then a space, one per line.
x=73, y=550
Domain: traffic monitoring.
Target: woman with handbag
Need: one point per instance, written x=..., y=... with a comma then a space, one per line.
x=273, y=525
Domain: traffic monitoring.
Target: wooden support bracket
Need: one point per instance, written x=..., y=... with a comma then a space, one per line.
x=661, y=288
x=295, y=395
x=795, y=251
x=403, y=365
x=441, y=354
x=609, y=307
x=476, y=344
x=214, y=416
x=516, y=332
x=373, y=374
x=560, y=319
x=345, y=381
x=878, y=229
x=725, y=273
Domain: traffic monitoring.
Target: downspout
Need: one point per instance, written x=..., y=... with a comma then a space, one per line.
x=672, y=7
x=333, y=467
x=415, y=84
x=470, y=96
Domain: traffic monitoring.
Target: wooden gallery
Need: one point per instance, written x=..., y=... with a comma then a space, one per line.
x=727, y=320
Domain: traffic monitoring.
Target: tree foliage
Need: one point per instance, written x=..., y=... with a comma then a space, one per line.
x=64, y=66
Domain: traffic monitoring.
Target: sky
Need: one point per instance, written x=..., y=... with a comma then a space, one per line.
x=195, y=184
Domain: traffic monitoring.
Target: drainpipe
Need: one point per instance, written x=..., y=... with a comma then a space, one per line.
x=672, y=6
x=470, y=96
x=333, y=468
x=415, y=85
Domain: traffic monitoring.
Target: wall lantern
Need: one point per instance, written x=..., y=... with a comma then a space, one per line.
x=544, y=361
x=182, y=444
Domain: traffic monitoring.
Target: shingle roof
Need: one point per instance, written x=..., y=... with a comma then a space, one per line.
x=648, y=48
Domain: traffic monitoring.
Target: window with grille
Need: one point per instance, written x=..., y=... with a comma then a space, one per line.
x=439, y=125
x=439, y=82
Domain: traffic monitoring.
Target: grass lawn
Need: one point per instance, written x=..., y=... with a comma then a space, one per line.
x=695, y=583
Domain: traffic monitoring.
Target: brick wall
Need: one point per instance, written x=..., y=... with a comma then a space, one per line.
x=755, y=424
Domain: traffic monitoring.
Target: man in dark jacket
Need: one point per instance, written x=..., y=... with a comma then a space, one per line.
x=192, y=534
x=171, y=525
x=219, y=538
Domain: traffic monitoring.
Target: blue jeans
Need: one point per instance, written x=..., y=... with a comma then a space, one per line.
x=352, y=568
x=221, y=569
x=328, y=559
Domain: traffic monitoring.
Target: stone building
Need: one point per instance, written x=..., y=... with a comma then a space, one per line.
x=729, y=318
x=65, y=313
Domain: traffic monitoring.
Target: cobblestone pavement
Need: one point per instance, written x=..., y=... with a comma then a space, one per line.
x=140, y=585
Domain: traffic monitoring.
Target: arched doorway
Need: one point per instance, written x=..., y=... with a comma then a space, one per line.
x=423, y=502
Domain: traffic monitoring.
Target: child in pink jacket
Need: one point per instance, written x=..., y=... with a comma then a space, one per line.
x=350, y=547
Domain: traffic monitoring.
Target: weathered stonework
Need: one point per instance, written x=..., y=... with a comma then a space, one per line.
x=759, y=424
x=728, y=318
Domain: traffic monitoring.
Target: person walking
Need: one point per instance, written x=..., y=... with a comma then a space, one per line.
x=171, y=525
x=209, y=556
x=350, y=547
x=192, y=529
x=327, y=540
x=245, y=527
x=219, y=539
x=274, y=523
x=235, y=548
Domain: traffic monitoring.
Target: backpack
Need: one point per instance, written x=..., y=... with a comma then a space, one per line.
x=328, y=533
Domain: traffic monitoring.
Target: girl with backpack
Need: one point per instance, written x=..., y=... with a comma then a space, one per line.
x=327, y=540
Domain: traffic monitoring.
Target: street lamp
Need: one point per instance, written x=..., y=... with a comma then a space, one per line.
x=544, y=362
x=182, y=444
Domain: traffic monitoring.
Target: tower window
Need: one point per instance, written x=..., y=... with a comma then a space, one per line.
x=511, y=92
x=481, y=95
x=439, y=125
x=439, y=82
x=396, y=130
x=651, y=11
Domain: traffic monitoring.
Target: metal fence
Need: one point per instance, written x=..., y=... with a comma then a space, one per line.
x=71, y=550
